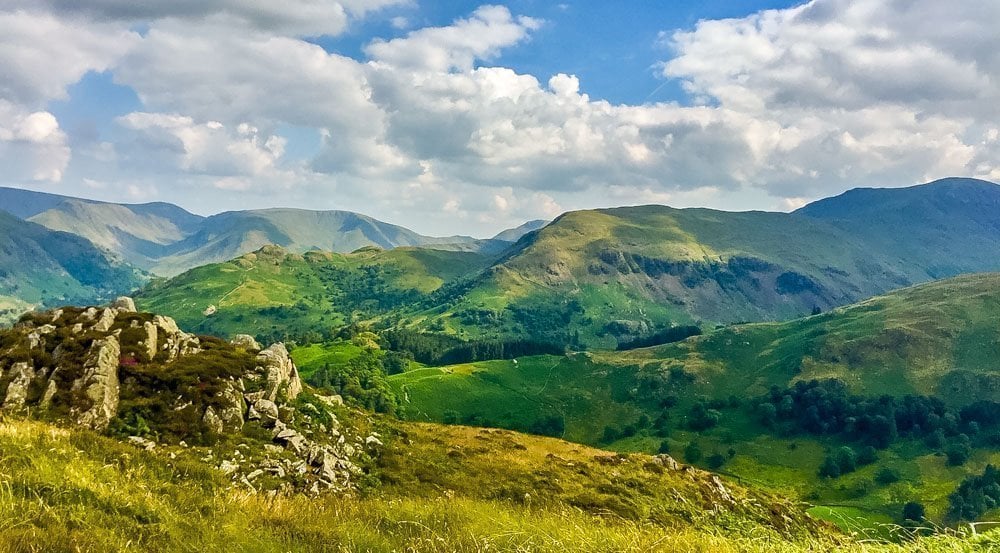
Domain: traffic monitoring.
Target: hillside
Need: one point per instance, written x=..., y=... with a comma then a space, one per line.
x=42, y=267
x=117, y=425
x=617, y=274
x=936, y=342
x=278, y=294
x=949, y=226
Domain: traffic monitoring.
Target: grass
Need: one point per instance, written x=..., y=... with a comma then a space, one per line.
x=67, y=490
x=937, y=339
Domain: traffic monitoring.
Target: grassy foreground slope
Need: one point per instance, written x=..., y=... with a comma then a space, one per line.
x=938, y=340
x=455, y=489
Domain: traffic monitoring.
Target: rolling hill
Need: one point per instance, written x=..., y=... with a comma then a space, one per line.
x=40, y=267
x=279, y=294
x=936, y=342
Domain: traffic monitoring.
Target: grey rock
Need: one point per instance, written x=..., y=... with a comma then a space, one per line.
x=267, y=411
x=373, y=442
x=280, y=372
x=246, y=342
x=124, y=304
x=104, y=323
x=141, y=442
x=212, y=421
x=17, y=391
x=151, y=339
x=99, y=383
x=50, y=392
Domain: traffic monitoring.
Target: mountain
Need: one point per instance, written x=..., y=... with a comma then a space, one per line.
x=167, y=240
x=228, y=235
x=515, y=234
x=39, y=266
x=949, y=226
x=911, y=373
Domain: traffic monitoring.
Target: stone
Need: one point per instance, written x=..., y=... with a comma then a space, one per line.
x=246, y=342
x=77, y=328
x=232, y=407
x=151, y=338
x=257, y=473
x=104, y=323
x=212, y=421
x=57, y=314
x=99, y=383
x=46, y=329
x=331, y=401
x=141, y=442
x=228, y=467
x=210, y=310
x=124, y=304
x=268, y=412
x=89, y=313
x=666, y=461
x=372, y=442
x=50, y=392
x=168, y=325
x=280, y=372
x=17, y=391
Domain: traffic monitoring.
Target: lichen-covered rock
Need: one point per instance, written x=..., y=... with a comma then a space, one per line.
x=267, y=411
x=99, y=384
x=105, y=322
x=17, y=391
x=151, y=339
x=212, y=421
x=246, y=342
x=124, y=304
x=232, y=409
x=280, y=372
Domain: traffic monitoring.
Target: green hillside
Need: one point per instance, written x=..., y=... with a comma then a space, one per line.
x=937, y=342
x=42, y=267
x=617, y=274
x=278, y=294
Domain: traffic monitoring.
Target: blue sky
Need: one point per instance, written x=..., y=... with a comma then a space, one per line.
x=458, y=117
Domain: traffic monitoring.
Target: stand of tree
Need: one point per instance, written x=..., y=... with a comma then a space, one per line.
x=665, y=336
x=825, y=407
x=437, y=349
x=975, y=495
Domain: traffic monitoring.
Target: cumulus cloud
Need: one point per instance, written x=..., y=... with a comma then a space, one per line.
x=457, y=46
x=852, y=92
x=785, y=106
x=300, y=18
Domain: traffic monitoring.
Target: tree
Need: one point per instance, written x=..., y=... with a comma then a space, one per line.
x=914, y=511
x=692, y=453
x=715, y=461
x=664, y=447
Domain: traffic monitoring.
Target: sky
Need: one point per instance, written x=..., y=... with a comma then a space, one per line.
x=454, y=117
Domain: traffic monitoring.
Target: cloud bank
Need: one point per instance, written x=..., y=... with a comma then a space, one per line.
x=241, y=108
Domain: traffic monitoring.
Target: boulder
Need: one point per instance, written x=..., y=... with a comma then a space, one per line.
x=212, y=421
x=99, y=384
x=232, y=408
x=124, y=304
x=151, y=338
x=280, y=371
x=267, y=410
x=246, y=342
x=104, y=323
x=17, y=391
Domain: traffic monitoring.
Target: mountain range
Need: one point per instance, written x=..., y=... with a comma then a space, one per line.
x=166, y=240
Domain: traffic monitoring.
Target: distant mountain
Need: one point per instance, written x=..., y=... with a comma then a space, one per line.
x=515, y=234
x=949, y=226
x=167, y=240
x=39, y=266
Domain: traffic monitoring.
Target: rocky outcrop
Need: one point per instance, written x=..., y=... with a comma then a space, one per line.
x=21, y=375
x=123, y=304
x=282, y=376
x=246, y=342
x=99, y=384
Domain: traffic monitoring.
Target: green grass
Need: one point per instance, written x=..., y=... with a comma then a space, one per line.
x=454, y=489
x=935, y=339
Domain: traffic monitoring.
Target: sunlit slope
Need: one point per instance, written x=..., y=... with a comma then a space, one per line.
x=274, y=292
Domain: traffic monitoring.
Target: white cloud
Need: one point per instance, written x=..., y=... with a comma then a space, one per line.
x=299, y=18
x=457, y=46
x=32, y=146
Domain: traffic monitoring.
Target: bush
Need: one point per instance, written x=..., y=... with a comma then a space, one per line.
x=692, y=453
x=913, y=511
x=886, y=476
x=715, y=461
